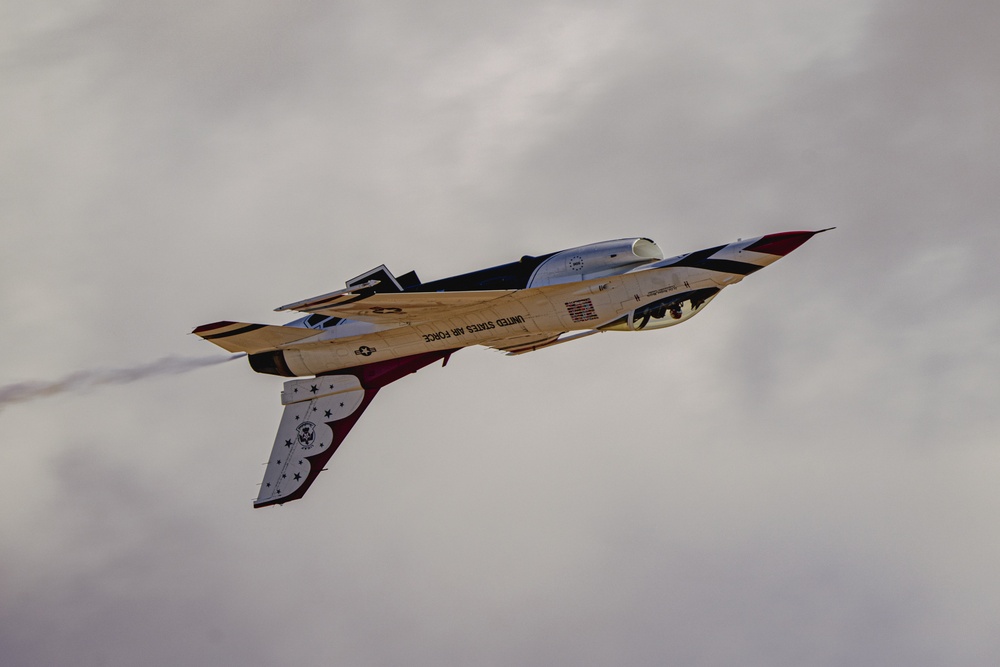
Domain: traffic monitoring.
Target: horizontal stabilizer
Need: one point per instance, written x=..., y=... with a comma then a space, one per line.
x=251, y=338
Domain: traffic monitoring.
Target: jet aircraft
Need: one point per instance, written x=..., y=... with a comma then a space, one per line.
x=380, y=328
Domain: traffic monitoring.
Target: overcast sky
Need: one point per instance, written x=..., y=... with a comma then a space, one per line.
x=805, y=474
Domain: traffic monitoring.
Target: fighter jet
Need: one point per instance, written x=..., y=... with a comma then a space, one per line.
x=354, y=341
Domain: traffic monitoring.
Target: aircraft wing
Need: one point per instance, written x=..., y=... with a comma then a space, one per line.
x=398, y=307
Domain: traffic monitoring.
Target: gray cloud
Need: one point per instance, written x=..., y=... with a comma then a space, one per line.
x=805, y=473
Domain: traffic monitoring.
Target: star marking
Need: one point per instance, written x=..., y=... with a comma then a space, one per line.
x=328, y=413
x=298, y=476
x=341, y=405
x=284, y=476
x=288, y=443
x=268, y=485
x=300, y=461
x=314, y=389
x=314, y=409
x=278, y=462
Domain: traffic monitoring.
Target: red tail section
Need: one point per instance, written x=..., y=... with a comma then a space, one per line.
x=782, y=243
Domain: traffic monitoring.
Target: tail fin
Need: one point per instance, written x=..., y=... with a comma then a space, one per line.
x=251, y=338
x=319, y=413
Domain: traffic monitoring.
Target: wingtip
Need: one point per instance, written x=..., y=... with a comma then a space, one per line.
x=209, y=327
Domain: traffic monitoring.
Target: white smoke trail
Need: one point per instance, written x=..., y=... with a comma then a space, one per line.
x=23, y=392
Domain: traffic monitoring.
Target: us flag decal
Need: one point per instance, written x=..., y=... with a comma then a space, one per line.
x=581, y=310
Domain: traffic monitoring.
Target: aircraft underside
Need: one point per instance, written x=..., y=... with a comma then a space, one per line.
x=382, y=328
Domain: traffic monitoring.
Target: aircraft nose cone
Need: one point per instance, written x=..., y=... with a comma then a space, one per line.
x=782, y=243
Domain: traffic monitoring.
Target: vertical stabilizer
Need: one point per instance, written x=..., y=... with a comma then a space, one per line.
x=317, y=410
x=319, y=413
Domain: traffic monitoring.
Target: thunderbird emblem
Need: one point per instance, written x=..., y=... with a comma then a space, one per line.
x=307, y=433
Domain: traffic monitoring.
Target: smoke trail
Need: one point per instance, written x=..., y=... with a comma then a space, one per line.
x=23, y=392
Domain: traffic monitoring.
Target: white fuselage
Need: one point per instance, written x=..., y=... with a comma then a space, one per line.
x=565, y=304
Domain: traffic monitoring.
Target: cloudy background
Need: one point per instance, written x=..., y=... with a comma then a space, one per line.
x=806, y=474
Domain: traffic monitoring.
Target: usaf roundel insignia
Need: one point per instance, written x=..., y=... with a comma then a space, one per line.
x=306, y=434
